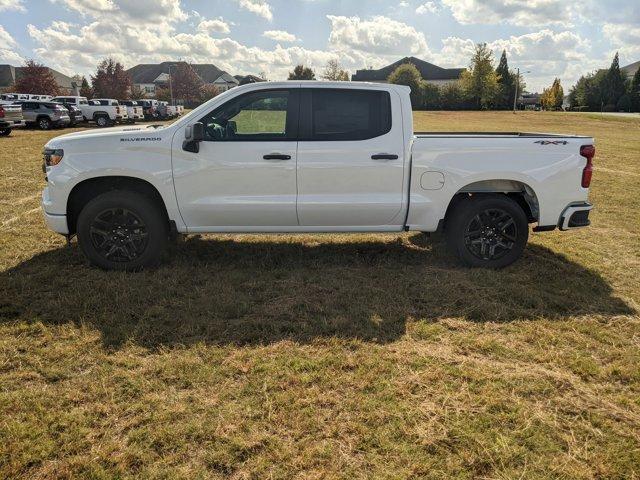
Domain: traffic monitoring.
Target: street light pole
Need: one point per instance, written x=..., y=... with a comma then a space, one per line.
x=170, y=84
x=515, y=97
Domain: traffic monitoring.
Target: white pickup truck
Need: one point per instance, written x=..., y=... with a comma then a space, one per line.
x=311, y=157
x=104, y=112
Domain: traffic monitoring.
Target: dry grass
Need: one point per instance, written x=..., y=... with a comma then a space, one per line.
x=335, y=356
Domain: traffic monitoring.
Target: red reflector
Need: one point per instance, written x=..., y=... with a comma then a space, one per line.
x=1, y=112
x=588, y=152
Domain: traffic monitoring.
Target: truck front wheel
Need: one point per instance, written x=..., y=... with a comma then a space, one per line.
x=122, y=230
x=488, y=231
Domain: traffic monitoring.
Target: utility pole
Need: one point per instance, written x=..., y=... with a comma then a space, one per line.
x=515, y=97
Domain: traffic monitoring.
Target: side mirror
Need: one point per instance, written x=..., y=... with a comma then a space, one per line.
x=193, y=135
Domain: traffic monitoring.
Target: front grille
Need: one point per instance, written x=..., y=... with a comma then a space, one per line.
x=579, y=219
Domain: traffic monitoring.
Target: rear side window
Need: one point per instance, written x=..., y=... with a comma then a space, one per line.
x=347, y=114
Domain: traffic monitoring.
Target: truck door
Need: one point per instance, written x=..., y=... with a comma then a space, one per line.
x=350, y=158
x=244, y=176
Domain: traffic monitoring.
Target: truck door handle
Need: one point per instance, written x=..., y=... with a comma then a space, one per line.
x=277, y=156
x=384, y=156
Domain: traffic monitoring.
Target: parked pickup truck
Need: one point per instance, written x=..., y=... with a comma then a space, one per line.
x=134, y=110
x=311, y=157
x=10, y=118
x=104, y=112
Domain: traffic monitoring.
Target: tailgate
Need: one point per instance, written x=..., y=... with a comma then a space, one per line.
x=12, y=113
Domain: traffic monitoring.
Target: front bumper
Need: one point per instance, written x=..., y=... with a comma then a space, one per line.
x=575, y=216
x=55, y=222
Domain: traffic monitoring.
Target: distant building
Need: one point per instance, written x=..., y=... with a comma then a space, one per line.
x=10, y=74
x=530, y=101
x=430, y=73
x=630, y=70
x=245, y=79
x=150, y=77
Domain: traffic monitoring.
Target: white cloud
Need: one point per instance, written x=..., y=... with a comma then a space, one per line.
x=428, y=7
x=17, y=5
x=130, y=11
x=280, y=35
x=7, y=49
x=529, y=13
x=625, y=38
x=380, y=36
x=216, y=25
x=259, y=7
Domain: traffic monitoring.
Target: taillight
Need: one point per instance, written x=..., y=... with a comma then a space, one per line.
x=588, y=152
x=1, y=112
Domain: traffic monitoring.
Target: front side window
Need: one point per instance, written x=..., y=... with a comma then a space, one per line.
x=347, y=114
x=256, y=116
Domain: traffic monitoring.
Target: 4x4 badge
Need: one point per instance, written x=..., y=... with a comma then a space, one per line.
x=552, y=142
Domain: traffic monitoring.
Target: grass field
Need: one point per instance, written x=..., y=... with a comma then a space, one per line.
x=327, y=356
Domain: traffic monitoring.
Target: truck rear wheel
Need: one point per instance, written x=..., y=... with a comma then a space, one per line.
x=5, y=132
x=122, y=230
x=102, y=121
x=487, y=231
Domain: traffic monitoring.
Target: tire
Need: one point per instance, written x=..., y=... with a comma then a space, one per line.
x=122, y=230
x=102, y=121
x=44, y=123
x=487, y=231
x=5, y=132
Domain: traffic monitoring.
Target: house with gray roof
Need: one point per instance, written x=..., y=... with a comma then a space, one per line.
x=430, y=73
x=150, y=77
x=630, y=70
x=10, y=74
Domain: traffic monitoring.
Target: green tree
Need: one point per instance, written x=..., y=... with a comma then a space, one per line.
x=634, y=91
x=35, y=78
x=430, y=96
x=333, y=71
x=85, y=88
x=452, y=97
x=407, y=74
x=480, y=81
x=302, y=73
x=111, y=80
x=506, y=83
x=614, y=83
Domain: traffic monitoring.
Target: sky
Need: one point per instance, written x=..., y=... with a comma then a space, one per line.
x=547, y=38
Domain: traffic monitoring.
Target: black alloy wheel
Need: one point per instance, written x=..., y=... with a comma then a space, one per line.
x=119, y=235
x=491, y=234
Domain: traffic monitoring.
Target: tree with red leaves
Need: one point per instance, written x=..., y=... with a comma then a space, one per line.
x=35, y=78
x=111, y=80
x=186, y=83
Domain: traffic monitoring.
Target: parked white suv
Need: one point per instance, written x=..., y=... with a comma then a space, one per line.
x=311, y=157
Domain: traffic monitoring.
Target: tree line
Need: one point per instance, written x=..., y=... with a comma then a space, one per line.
x=607, y=90
x=481, y=86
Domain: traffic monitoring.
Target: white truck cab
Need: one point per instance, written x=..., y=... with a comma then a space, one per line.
x=311, y=157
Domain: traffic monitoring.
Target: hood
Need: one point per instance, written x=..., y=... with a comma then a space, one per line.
x=106, y=132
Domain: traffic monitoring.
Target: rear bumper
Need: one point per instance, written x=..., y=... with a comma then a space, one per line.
x=575, y=216
x=12, y=124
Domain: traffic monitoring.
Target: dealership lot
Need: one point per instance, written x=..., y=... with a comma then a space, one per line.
x=292, y=355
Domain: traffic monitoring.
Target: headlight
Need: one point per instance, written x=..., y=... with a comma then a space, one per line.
x=52, y=156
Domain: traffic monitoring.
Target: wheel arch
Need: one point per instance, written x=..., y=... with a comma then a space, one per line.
x=519, y=191
x=88, y=189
